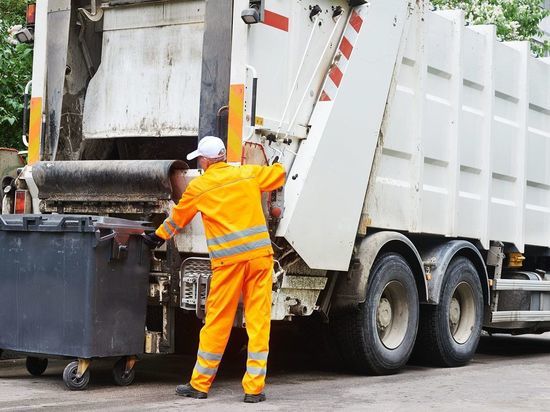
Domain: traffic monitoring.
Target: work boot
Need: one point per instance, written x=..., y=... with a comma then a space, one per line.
x=190, y=392
x=248, y=398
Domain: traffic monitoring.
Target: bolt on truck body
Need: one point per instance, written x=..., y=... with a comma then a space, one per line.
x=417, y=207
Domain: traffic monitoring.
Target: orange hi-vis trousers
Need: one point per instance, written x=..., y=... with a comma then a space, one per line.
x=254, y=279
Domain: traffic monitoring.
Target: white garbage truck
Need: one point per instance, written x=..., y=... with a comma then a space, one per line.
x=416, y=211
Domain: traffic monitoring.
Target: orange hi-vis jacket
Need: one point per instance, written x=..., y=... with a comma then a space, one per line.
x=229, y=200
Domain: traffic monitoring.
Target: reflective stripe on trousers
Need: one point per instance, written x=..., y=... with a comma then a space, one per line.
x=256, y=370
x=205, y=368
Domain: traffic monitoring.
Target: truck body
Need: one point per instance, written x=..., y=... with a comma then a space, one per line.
x=417, y=204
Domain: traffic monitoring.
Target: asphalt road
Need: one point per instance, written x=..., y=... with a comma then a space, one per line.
x=508, y=373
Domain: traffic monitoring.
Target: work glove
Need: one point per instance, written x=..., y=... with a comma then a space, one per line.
x=152, y=240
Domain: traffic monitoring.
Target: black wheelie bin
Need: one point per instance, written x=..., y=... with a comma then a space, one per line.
x=73, y=287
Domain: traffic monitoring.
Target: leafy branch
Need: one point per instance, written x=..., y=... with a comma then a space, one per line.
x=514, y=19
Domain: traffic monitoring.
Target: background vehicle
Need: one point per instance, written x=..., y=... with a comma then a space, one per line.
x=417, y=206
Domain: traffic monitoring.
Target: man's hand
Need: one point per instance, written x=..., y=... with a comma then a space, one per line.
x=152, y=240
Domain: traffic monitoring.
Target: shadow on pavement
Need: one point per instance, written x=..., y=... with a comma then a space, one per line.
x=295, y=348
x=510, y=346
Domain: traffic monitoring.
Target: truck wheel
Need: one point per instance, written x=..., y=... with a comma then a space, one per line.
x=449, y=332
x=121, y=377
x=36, y=366
x=379, y=336
x=70, y=379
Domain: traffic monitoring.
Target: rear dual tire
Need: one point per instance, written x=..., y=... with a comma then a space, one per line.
x=449, y=332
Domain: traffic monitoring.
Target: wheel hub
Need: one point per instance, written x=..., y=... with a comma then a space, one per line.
x=384, y=314
x=454, y=312
x=462, y=313
x=392, y=315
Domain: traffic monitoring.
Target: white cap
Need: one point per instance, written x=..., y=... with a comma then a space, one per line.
x=210, y=147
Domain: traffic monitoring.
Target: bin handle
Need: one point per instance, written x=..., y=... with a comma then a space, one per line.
x=111, y=235
x=31, y=221
x=81, y=221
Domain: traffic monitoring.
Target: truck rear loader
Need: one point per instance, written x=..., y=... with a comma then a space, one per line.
x=416, y=211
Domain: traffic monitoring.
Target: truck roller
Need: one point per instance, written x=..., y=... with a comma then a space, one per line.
x=416, y=212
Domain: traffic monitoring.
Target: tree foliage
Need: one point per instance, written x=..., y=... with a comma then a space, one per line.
x=514, y=19
x=15, y=72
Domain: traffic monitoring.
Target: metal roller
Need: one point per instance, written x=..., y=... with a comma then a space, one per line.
x=110, y=180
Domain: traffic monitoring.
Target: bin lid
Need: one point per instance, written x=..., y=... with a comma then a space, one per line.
x=69, y=223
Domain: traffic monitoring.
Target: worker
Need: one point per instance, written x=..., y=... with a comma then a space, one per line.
x=229, y=200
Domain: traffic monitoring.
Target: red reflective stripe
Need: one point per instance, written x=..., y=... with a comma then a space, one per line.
x=346, y=47
x=336, y=75
x=356, y=21
x=324, y=97
x=275, y=20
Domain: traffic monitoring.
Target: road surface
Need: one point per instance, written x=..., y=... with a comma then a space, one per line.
x=508, y=373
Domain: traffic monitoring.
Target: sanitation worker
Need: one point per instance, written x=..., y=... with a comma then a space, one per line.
x=229, y=200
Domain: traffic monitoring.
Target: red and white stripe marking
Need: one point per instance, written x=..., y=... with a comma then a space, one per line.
x=275, y=20
x=340, y=63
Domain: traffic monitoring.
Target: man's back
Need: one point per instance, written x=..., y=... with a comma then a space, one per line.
x=229, y=199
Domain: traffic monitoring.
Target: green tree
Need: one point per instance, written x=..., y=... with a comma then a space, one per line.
x=15, y=72
x=514, y=19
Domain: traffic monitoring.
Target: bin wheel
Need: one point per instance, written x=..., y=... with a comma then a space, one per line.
x=71, y=380
x=36, y=366
x=121, y=377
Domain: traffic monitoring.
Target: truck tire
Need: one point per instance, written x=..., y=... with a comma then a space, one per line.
x=449, y=332
x=378, y=336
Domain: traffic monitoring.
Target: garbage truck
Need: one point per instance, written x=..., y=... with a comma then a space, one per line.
x=416, y=211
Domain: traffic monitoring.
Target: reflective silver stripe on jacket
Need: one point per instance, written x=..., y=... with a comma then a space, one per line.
x=258, y=355
x=236, y=235
x=171, y=223
x=256, y=371
x=174, y=225
x=210, y=356
x=168, y=229
x=205, y=371
x=245, y=247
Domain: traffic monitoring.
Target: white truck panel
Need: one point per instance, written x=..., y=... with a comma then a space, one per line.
x=465, y=138
x=192, y=238
x=148, y=82
x=286, y=63
x=537, y=174
x=323, y=197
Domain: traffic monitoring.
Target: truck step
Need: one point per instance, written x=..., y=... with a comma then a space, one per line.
x=519, y=284
x=520, y=316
